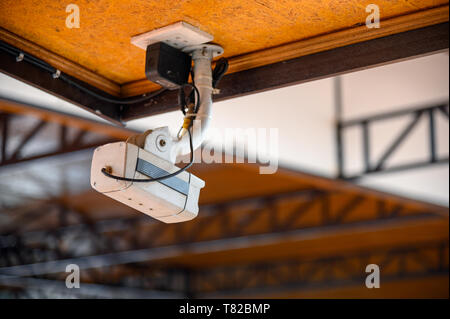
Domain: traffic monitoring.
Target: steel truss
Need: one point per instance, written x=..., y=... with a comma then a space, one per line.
x=364, y=124
x=235, y=224
x=298, y=275
x=66, y=144
x=252, y=279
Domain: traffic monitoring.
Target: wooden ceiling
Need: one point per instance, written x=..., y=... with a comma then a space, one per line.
x=253, y=33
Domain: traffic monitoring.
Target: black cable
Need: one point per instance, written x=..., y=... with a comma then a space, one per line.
x=192, y=95
x=138, y=180
x=182, y=97
x=106, y=99
x=47, y=67
x=219, y=71
x=182, y=101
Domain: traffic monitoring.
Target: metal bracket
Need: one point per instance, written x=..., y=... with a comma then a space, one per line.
x=178, y=35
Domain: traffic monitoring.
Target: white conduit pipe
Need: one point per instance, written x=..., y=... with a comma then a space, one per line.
x=203, y=81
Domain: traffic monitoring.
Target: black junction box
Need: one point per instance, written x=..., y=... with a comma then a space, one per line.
x=167, y=66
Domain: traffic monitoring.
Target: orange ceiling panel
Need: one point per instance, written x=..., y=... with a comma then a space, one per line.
x=102, y=43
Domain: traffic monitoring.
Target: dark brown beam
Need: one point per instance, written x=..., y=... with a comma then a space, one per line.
x=42, y=78
x=320, y=65
x=316, y=66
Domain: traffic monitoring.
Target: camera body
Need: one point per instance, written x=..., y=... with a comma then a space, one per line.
x=170, y=200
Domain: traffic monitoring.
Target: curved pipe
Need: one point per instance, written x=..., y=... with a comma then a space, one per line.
x=203, y=81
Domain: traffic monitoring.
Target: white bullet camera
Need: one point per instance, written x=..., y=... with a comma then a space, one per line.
x=141, y=173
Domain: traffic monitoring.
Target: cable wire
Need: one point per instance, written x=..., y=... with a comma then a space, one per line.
x=182, y=97
x=57, y=74
x=139, y=180
x=54, y=71
x=219, y=71
x=110, y=100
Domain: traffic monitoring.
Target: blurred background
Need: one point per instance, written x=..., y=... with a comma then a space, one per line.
x=363, y=179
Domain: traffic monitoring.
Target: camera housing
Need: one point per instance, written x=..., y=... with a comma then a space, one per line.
x=171, y=200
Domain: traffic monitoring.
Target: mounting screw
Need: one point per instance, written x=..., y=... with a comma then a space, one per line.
x=20, y=57
x=56, y=74
x=162, y=143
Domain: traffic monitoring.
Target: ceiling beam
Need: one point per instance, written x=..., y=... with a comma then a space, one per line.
x=86, y=289
x=70, y=120
x=316, y=66
x=307, y=46
x=268, y=278
x=362, y=55
x=303, y=46
x=210, y=246
x=30, y=70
